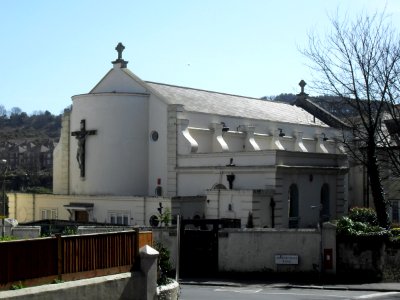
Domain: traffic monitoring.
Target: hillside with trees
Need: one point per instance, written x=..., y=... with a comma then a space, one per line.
x=16, y=125
x=26, y=144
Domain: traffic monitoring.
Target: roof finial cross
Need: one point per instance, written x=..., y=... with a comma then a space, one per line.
x=120, y=48
x=302, y=84
x=119, y=62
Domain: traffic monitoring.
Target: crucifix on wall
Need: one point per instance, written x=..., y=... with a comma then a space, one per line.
x=81, y=138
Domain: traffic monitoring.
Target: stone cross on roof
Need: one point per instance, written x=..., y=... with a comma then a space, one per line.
x=120, y=48
x=302, y=84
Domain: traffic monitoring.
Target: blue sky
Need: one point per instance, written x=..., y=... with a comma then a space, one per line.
x=51, y=50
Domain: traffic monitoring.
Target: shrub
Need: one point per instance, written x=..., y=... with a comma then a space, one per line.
x=70, y=230
x=7, y=238
x=349, y=227
x=17, y=286
x=164, y=264
x=363, y=215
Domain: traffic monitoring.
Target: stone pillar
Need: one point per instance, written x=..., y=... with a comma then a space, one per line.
x=172, y=148
x=148, y=266
x=329, y=248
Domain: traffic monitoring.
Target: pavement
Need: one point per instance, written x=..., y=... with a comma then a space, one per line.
x=378, y=286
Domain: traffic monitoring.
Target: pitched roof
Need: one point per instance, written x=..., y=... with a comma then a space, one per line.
x=195, y=100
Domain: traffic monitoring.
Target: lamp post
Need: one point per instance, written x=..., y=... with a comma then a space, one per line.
x=3, y=196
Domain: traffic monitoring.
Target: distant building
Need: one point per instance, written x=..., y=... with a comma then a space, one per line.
x=28, y=155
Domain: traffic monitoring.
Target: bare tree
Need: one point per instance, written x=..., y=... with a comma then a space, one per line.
x=15, y=111
x=3, y=111
x=359, y=61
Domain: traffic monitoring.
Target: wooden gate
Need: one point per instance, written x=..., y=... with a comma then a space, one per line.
x=199, y=246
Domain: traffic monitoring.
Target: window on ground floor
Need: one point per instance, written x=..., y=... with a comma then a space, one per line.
x=49, y=213
x=119, y=217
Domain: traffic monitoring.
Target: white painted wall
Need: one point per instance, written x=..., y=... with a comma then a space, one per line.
x=157, y=163
x=232, y=204
x=117, y=156
x=255, y=250
x=309, y=196
x=28, y=207
x=200, y=130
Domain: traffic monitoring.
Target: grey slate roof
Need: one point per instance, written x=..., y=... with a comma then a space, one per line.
x=195, y=100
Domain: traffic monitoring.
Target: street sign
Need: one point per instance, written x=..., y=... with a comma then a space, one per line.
x=284, y=259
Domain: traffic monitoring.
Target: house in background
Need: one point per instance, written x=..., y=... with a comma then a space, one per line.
x=131, y=147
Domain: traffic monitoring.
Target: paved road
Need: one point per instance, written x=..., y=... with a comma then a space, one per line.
x=255, y=292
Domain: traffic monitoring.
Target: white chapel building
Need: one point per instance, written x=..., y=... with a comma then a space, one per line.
x=130, y=145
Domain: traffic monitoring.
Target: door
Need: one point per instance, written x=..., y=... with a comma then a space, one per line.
x=199, y=249
x=81, y=216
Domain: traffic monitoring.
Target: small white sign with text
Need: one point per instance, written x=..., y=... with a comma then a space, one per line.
x=283, y=259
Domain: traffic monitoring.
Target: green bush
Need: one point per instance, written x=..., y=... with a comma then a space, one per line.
x=164, y=264
x=364, y=215
x=348, y=227
x=17, y=286
x=7, y=238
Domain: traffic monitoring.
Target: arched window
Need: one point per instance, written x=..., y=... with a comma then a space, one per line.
x=293, y=209
x=218, y=186
x=325, y=211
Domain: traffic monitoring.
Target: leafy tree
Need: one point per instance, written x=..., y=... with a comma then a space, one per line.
x=359, y=62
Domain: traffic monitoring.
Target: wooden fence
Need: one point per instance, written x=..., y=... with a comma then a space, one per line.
x=72, y=257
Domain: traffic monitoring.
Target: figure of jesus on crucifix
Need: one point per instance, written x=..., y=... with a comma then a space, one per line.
x=81, y=138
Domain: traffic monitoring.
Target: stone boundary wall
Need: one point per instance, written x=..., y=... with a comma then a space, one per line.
x=371, y=258
x=254, y=250
x=257, y=250
x=25, y=232
x=139, y=285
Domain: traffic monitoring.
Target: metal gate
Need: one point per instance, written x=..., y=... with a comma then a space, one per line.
x=199, y=246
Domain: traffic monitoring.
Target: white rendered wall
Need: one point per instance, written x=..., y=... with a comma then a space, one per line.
x=309, y=187
x=200, y=129
x=116, y=157
x=157, y=163
x=255, y=250
x=28, y=207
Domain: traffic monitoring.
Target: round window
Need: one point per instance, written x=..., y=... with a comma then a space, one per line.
x=154, y=221
x=154, y=135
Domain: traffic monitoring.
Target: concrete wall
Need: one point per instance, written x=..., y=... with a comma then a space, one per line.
x=158, y=156
x=29, y=207
x=137, y=285
x=25, y=232
x=114, y=165
x=61, y=158
x=254, y=250
x=364, y=256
